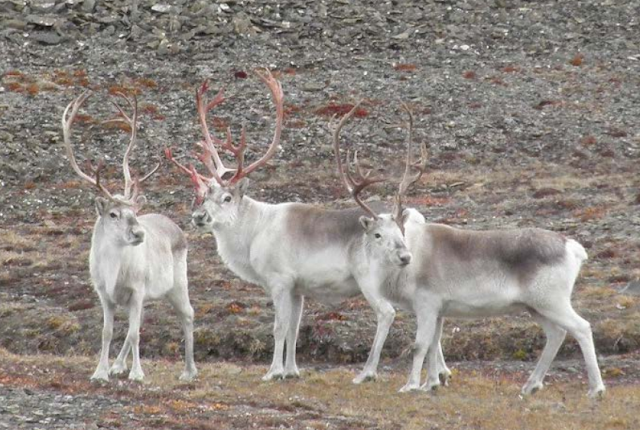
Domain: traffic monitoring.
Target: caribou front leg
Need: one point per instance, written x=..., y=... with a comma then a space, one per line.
x=427, y=320
x=385, y=315
x=283, y=304
x=135, y=319
x=102, y=371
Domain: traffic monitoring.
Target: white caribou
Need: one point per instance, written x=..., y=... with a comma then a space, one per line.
x=476, y=274
x=133, y=258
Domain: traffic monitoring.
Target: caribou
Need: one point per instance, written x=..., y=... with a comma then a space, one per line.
x=294, y=250
x=133, y=258
x=476, y=274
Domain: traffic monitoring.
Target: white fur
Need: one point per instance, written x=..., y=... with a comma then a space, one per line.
x=482, y=288
x=254, y=242
x=127, y=273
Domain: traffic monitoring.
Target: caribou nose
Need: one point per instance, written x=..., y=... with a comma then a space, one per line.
x=405, y=258
x=199, y=218
x=138, y=235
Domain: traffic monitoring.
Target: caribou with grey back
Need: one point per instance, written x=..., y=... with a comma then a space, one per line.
x=293, y=250
x=133, y=258
x=476, y=274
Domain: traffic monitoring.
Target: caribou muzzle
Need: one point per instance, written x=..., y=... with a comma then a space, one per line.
x=404, y=258
x=201, y=218
x=136, y=235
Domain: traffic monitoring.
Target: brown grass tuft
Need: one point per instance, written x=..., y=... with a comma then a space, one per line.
x=146, y=83
x=340, y=109
x=405, y=67
x=511, y=69
x=63, y=324
x=15, y=87
x=33, y=89
x=544, y=192
x=588, y=141
x=577, y=60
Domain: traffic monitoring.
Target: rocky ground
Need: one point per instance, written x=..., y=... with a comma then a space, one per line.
x=529, y=111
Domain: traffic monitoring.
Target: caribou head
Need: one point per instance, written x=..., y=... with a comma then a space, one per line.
x=384, y=233
x=219, y=195
x=117, y=213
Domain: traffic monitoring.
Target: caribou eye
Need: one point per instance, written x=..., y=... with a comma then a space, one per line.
x=227, y=199
x=377, y=236
x=113, y=215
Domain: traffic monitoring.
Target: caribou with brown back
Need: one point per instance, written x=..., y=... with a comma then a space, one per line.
x=133, y=258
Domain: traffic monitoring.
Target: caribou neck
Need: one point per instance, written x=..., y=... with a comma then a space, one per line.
x=246, y=225
x=234, y=240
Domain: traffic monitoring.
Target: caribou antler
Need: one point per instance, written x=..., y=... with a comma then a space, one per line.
x=354, y=185
x=200, y=182
x=407, y=178
x=131, y=188
x=68, y=117
x=210, y=157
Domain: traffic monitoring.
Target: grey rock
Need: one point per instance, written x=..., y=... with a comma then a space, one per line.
x=313, y=86
x=5, y=136
x=165, y=8
x=242, y=24
x=46, y=37
x=136, y=32
x=109, y=31
x=18, y=24
x=43, y=5
x=43, y=20
x=88, y=5
x=632, y=288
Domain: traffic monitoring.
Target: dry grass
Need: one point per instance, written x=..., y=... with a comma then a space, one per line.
x=474, y=400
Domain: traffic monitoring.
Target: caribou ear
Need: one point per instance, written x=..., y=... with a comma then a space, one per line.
x=140, y=201
x=366, y=222
x=405, y=216
x=241, y=187
x=102, y=205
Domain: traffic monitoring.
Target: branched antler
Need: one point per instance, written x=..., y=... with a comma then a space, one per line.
x=407, y=178
x=68, y=117
x=210, y=156
x=131, y=188
x=364, y=179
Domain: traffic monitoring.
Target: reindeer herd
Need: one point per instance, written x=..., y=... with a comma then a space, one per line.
x=391, y=256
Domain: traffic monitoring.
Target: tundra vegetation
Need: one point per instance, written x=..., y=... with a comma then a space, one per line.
x=530, y=121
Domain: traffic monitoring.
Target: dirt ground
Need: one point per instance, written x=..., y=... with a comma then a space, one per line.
x=530, y=113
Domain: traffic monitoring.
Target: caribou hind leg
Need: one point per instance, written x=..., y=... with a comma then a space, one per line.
x=563, y=314
x=179, y=299
x=119, y=366
x=555, y=337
